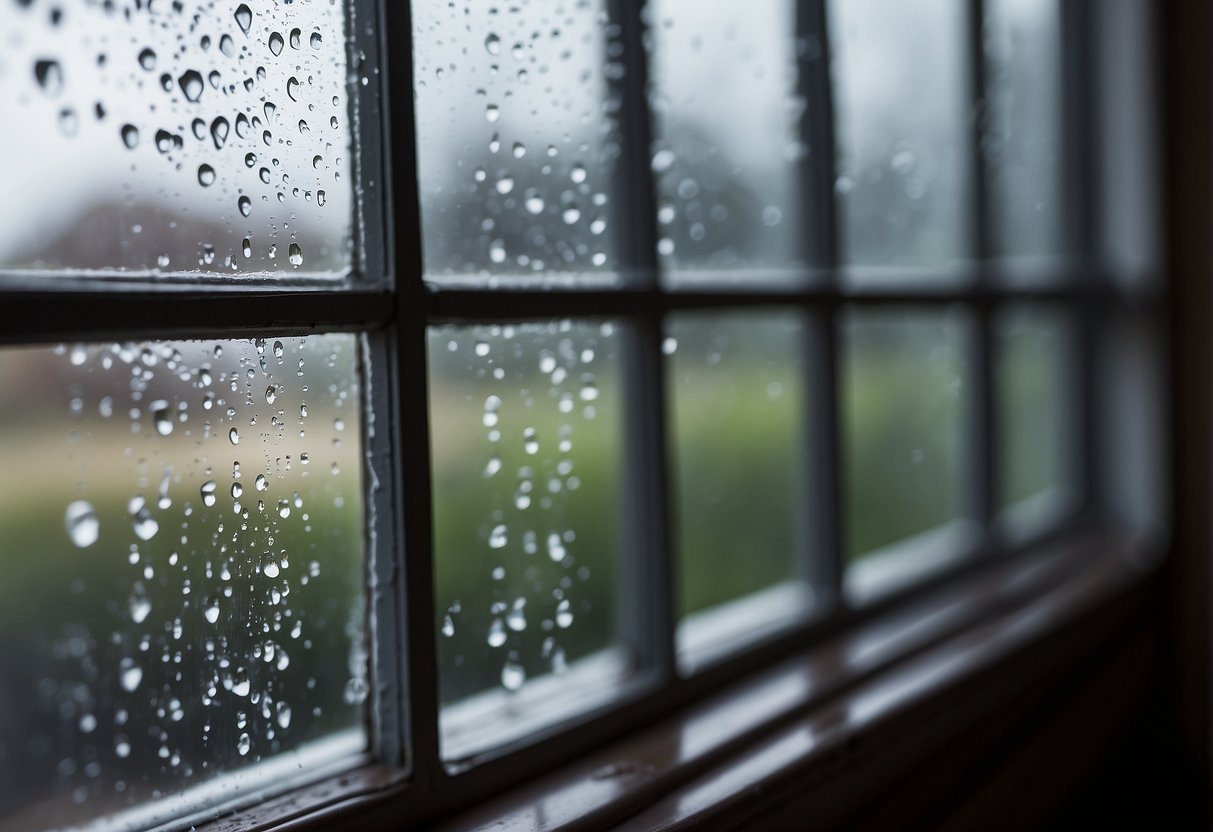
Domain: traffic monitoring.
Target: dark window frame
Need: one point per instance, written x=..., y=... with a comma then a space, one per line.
x=405, y=708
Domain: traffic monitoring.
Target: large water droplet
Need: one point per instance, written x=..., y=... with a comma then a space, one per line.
x=233, y=436
x=564, y=615
x=295, y=255
x=292, y=88
x=498, y=537
x=147, y=59
x=243, y=744
x=219, y=131
x=275, y=43
x=129, y=674
x=130, y=135
x=211, y=612
x=284, y=714
x=81, y=522
x=516, y=618
x=191, y=84
x=492, y=44
x=512, y=675
x=49, y=76
x=208, y=493
x=140, y=608
x=162, y=417
x=496, y=636
x=244, y=18
x=206, y=175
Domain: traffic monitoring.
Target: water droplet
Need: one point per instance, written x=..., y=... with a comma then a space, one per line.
x=534, y=203
x=237, y=491
x=211, y=612
x=496, y=636
x=564, y=615
x=284, y=714
x=271, y=394
x=284, y=509
x=492, y=44
x=316, y=40
x=140, y=608
x=206, y=175
x=49, y=76
x=261, y=483
x=246, y=207
x=129, y=674
x=492, y=405
x=556, y=550
x=498, y=537
x=493, y=466
x=147, y=59
x=519, y=150
x=295, y=255
x=68, y=123
x=233, y=436
x=516, y=618
x=577, y=173
x=191, y=84
x=122, y=747
x=130, y=135
x=276, y=44
x=492, y=113
x=512, y=675
x=219, y=132
x=246, y=247
x=571, y=215
x=505, y=184
x=244, y=18
x=295, y=38
x=243, y=744
x=292, y=88
x=270, y=570
x=208, y=493
x=82, y=524
x=529, y=443
x=240, y=684
x=162, y=417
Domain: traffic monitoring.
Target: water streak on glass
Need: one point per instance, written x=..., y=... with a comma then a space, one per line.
x=517, y=140
x=737, y=418
x=1035, y=426
x=903, y=124
x=727, y=147
x=526, y=426
x=187, y=138
x=903, y=388
x=1022, y=139
x=181, y=529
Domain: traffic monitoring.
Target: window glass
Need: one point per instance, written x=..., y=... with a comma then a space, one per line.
x=737, y=416
x=527, y=442
x=517, y=140
x=904, y=439
x=1022, y=141
x=1034, y=443
x=903, y=124
x=150, y=138
x=181, y=530
x=727, y=120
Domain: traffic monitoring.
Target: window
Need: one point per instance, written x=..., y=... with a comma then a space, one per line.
x=405, y=414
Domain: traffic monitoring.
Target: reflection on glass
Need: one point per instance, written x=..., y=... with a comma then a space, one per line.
x=903, y=428
x=726, y=113
x=737, y=413
x=527, y=440
x=1034, y=437
x=181, y=528
x=903, y=123
x=214, y=140
x=517, y=139
x=1023, y=137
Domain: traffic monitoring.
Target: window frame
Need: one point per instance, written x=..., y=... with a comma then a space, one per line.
x=395, y=317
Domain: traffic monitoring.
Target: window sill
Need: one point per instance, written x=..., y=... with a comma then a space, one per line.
x=691, y=769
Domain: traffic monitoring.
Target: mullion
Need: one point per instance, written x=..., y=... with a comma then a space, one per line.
x=982, y=420
x=647, y=568
x=409, y=377
x=823, y=556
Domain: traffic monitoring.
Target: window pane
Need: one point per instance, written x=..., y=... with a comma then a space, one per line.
x=149, y=139
x=1023, y=141
x=527, y=439
x=902, y=122
x=737, y=417
x=1035, y=439
x=517, y=140
x=904, y=442
x=182, y=536
x=726, y=118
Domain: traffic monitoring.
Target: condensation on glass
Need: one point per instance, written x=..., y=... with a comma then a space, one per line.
x=727, y=150
x=176, y=139
x=903, y=124
x=1022, y=137
x=527, y=440
x=181, y=529
x=1035, y=423
x=737, y=418
x=904, y=427
x=516, y=109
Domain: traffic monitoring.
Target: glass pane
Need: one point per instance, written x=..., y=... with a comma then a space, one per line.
x=726, y=119
x=527, y=438
x=737, y=415
x=214, y=142
x=1034, y=440
x=903, y=125
x=1023, y=140
x=904, y=438
x=516, y=140
x=182, y=606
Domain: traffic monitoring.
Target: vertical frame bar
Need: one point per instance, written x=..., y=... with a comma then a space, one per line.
x=824, y=554
x=647, y=568
x=407, y=371
x=982, y=407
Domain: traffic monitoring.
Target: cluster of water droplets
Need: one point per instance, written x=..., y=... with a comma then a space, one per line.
x=538, y=391
x=220, y=129
x=218, y=503
x=519, y=182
